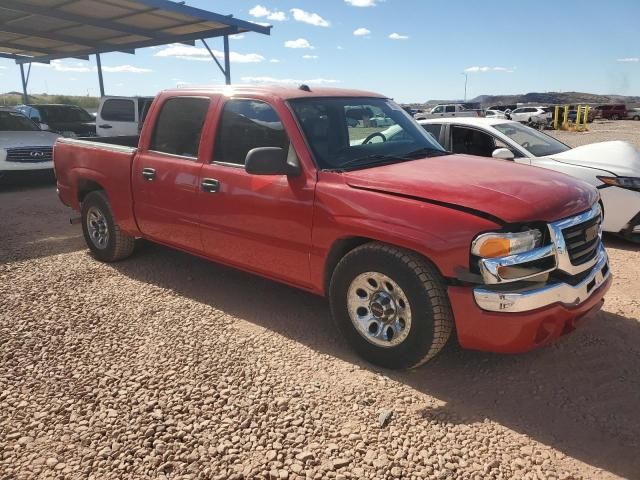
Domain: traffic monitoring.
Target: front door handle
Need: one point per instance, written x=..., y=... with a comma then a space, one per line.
x=210, y=185
x=106, y=125
x=148, y=173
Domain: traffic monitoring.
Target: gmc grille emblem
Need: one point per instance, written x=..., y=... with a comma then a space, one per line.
x=36, y=154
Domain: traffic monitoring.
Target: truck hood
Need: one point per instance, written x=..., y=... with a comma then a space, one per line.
x=617, y=157
x=497, y=188
x=27, y=139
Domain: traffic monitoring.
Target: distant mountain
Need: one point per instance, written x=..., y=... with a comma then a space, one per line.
x=552, y=98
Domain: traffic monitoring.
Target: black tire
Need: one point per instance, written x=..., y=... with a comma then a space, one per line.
x=614, y=117
x=431, y=322
x=117, y=245
x=637, y=117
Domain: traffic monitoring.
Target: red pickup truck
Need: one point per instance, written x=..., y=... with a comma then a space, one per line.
x=410, y=243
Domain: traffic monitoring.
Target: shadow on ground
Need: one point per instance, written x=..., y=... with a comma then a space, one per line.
x=579, y=395
x=33, y=222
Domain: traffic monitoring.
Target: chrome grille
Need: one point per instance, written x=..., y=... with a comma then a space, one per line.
x=30, y=154
x=582, y=240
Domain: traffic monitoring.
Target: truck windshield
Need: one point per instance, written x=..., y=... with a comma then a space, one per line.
x=535, y=142
x=16, y=122
x=361, y=132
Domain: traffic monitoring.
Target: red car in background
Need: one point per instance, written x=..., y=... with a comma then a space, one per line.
x=611, y=112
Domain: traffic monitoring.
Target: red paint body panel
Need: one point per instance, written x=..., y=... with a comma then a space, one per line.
x=511, y=192
x=284, y=228
x=516, y=332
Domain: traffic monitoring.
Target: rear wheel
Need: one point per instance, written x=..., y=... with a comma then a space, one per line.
x=614, y=117
x=391, y=305
x=101, y=233
x=636, y=117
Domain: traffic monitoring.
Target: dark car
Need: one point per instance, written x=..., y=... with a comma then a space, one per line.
x=611, y=112
x=67, y=120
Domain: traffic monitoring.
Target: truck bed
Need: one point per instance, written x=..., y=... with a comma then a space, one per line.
x=83, y=164
x=124, y=140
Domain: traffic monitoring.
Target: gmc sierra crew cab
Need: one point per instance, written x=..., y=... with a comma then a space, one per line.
x=410, y=243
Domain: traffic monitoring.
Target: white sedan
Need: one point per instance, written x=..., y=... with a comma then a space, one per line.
x=612, y=167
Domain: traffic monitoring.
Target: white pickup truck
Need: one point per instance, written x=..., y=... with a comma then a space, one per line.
x=452, y=110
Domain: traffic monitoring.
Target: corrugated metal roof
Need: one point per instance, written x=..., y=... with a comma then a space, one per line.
x=44, y=30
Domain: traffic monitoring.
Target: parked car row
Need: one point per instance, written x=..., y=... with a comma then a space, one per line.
x=414, y=231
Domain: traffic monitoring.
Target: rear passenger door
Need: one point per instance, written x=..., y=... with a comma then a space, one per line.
x=165, y=175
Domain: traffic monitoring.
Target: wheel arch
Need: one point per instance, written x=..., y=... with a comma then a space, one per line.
x=342, y=246
x=86, y=186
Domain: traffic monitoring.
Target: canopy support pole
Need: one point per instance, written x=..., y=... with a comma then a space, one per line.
x=227, y=61
x=226, y=70
x=100, y=79
x=25, y=81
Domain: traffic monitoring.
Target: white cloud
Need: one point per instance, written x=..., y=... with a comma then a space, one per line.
x=274, y=60
x=397, y=36
x=126, y=69
x=476, y=69
x=310, y=57
x=263, y=24
x=340, y=47
x=259, y=12
x=629, y=59
x=299, y=43
x=361, y=32
x=59, y=66
x=78, y=67
x=237, y=36
x=308, y=17
x=362, y=3
x=2, y=67
x=186, y=52
x=289, y=81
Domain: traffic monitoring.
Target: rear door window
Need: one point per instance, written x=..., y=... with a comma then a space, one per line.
x=179, y=126
x=451, y=109
x=245, y=125
x=118, y=110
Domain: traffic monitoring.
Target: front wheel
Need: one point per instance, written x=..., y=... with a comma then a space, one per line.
x=101, y=233
x=637, y=117
x=390, y=305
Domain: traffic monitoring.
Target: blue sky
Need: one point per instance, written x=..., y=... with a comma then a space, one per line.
x=506, y=46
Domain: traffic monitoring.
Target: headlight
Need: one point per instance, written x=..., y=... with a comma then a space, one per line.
x=491, y=245
x=632, y=183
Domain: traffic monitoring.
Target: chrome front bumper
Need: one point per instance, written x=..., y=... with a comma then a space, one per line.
x=549, y=294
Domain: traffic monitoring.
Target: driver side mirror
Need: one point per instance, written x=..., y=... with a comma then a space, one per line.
x=503, y=154
x=270, y=161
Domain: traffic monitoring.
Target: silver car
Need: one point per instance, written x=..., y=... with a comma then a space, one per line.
x=633, y=114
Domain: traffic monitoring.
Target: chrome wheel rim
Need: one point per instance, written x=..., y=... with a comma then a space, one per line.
x=379, y=309
x=98, y=228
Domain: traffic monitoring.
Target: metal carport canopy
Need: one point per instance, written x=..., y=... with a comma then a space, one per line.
x=45, y=30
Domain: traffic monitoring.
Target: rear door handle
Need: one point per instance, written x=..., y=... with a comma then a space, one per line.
x=210, y=185
x=105, y=126
x=148, y=173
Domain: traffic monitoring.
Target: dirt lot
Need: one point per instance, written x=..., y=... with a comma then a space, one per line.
x=165, y=365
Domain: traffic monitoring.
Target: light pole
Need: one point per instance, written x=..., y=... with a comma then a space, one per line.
x=466, y=77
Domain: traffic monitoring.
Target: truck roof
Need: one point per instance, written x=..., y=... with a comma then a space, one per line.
x=278, y=91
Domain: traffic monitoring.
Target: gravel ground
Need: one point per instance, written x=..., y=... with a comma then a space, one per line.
x=167, y=366
x=601, y=131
